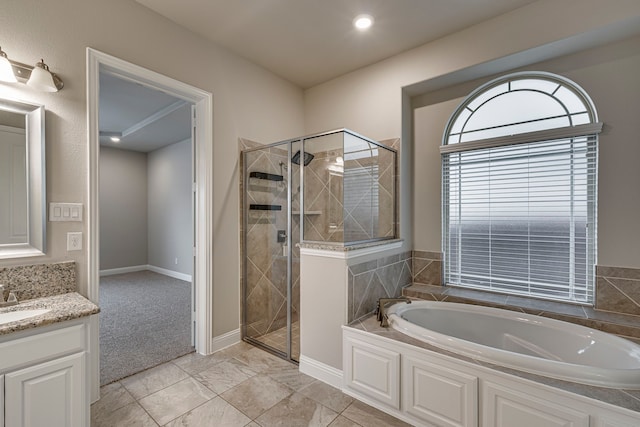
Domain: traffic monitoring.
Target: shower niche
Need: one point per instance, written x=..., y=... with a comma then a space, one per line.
x=335, y=188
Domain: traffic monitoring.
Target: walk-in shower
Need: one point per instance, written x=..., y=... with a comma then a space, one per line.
x=336, y=187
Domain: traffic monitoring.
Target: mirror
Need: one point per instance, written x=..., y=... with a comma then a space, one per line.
x=22, y=180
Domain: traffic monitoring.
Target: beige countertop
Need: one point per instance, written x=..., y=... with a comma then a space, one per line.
x=61, y=307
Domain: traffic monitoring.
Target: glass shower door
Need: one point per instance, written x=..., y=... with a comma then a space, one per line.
x=267, y=290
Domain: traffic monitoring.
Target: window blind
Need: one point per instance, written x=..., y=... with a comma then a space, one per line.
x=521, y=218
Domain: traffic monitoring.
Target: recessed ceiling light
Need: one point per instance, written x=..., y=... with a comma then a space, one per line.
x=362, y=22
x=115, y=139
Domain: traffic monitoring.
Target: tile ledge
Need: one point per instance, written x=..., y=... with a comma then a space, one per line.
x=347, y=252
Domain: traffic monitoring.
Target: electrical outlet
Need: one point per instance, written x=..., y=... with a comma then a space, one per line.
x=74, y=241
x=175, y=261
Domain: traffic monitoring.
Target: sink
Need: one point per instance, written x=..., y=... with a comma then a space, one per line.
x=14, y=316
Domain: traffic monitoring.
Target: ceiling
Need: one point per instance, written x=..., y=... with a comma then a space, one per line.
x=311, y=41
x=304, y=41
x=144, y=118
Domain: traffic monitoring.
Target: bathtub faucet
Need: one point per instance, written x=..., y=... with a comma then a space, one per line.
x=381, y=310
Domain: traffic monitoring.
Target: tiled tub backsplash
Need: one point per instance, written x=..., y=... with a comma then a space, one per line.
x=427, y=267
x=618, y=289
x=418, y=274
x=39, y=280
x=381, y=278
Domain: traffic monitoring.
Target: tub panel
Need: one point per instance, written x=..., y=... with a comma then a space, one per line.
x=504, y=407
x=373, y=371
x=438, y=395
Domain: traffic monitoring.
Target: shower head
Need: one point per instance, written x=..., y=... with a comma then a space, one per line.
x=307, y=158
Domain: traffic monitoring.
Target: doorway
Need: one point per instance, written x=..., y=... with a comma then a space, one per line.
x=98, y=62
x=146, y=227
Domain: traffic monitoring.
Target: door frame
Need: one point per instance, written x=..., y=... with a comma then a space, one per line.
x=203, y=214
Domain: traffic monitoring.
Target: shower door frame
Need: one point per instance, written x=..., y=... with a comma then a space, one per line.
x=245, y=213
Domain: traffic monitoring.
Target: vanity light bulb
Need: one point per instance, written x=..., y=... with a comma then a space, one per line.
x=6, y=71
x=115, y=139
x=42, y=79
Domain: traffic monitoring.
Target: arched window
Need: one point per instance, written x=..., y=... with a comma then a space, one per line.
x=519, y=159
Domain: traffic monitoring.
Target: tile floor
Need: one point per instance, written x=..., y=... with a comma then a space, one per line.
x=239, y=386
x=278, y=340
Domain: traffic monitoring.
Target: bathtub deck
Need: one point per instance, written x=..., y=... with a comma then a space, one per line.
x=628, y=399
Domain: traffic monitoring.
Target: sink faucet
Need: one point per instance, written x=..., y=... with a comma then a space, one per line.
x=383, y=318
x=11, y=299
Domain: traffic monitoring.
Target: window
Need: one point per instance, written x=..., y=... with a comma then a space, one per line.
x=519, y=159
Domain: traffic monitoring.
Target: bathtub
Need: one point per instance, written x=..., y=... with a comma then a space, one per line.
x=529, y=343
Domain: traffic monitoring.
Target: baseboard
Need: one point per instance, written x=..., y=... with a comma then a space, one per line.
x=134, y=268
x=321, y=371
x=121, y=270
x=225, y=340
x=170, y=273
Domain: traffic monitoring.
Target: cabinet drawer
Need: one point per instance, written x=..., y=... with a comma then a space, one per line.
x=42, y=346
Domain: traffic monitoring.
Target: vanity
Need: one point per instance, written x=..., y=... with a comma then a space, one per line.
x=43, y=362
x=44, y=339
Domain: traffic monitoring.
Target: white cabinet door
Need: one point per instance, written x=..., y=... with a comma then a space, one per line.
x=503, y=407
x=438, y=395
x=47, y=394
x=373, y=371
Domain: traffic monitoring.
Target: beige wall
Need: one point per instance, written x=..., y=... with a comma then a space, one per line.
x=248, y=102
x=609, y=74
x=370, y=100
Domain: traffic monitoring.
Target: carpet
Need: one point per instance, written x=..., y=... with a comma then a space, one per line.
x=145, y=320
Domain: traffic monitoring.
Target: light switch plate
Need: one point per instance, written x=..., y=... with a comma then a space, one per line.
x=65, y=212
x=74, y=241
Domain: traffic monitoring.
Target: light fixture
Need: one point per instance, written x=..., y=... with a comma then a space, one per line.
x=38, y=77
x=43, y=79
x=113, y=136
x=362, y=22
x=6, y=71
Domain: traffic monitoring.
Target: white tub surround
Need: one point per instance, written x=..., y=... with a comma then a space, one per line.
x=426, y=386
x=522, y=341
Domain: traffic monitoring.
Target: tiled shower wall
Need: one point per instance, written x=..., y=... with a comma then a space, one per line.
x=338, y=209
